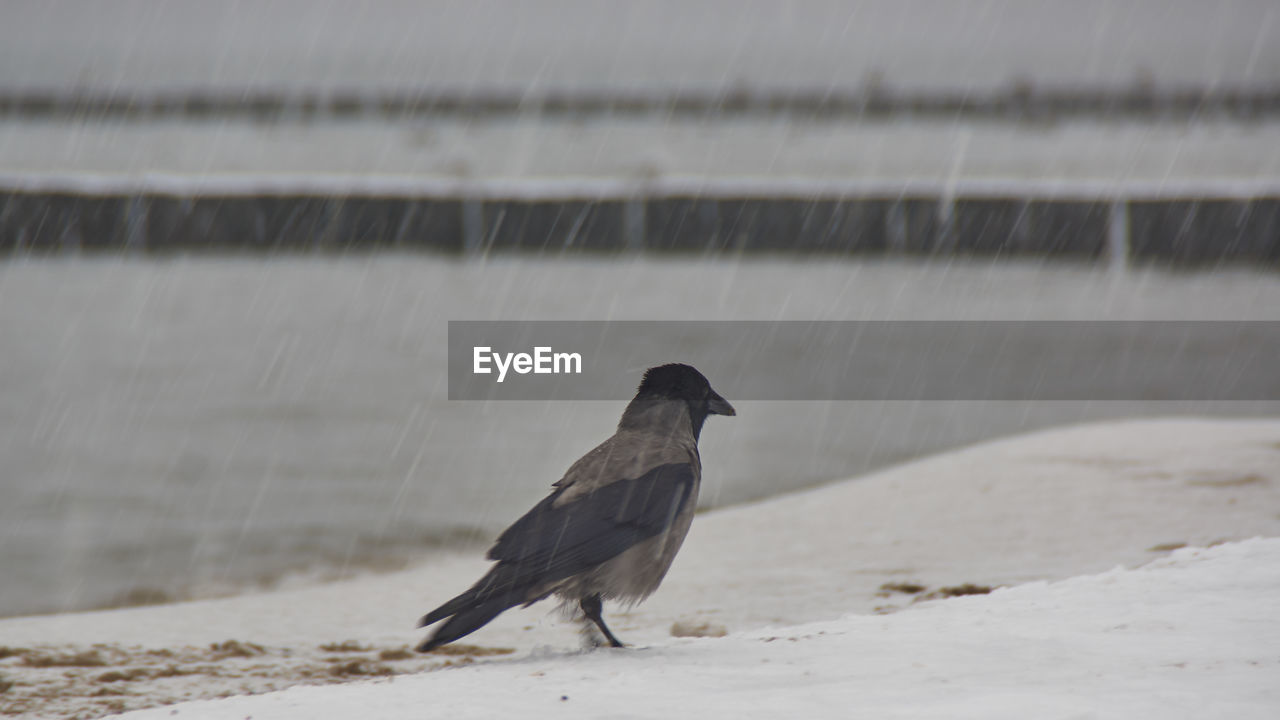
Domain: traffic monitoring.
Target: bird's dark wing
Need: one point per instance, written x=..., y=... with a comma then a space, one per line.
x=554, y=542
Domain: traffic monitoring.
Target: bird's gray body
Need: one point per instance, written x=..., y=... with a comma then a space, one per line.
x=647, y=437
x=612, y=525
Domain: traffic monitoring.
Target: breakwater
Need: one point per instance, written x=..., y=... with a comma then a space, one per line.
x=1239, y=225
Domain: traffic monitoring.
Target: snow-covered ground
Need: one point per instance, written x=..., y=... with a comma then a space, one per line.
x=1192, y=636
x=781, y=607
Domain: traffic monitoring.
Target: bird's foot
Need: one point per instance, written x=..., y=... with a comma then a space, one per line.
x=591, y=607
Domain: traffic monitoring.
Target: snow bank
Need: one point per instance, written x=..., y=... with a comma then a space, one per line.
x=1190, y=636
x=1184, y=637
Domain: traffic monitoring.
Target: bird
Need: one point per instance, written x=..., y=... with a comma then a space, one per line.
x=611, y=526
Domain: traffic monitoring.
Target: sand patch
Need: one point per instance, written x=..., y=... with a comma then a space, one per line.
x=102, y=679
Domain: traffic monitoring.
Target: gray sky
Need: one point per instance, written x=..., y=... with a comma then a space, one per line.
x=580, y=45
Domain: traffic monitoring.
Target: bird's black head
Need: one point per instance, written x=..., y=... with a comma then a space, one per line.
x=682, y=382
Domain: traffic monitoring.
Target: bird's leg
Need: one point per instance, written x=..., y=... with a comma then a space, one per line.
x=591, y=607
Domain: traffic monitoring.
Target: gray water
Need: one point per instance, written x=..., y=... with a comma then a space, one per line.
x=188, y=427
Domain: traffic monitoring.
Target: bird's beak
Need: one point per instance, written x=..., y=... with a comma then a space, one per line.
x=717, y=405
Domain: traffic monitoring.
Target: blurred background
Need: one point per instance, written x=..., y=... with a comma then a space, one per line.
x=232, y=234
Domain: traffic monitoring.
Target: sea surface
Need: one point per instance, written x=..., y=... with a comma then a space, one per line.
x=187, y=427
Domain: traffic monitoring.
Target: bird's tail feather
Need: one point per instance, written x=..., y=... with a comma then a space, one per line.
x=465, y=622
x=471, y=610
x=449, y=608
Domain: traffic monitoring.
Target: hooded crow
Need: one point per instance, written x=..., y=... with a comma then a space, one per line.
x=613, y=523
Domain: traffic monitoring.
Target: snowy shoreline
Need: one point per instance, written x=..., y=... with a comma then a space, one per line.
x=1183, y=636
